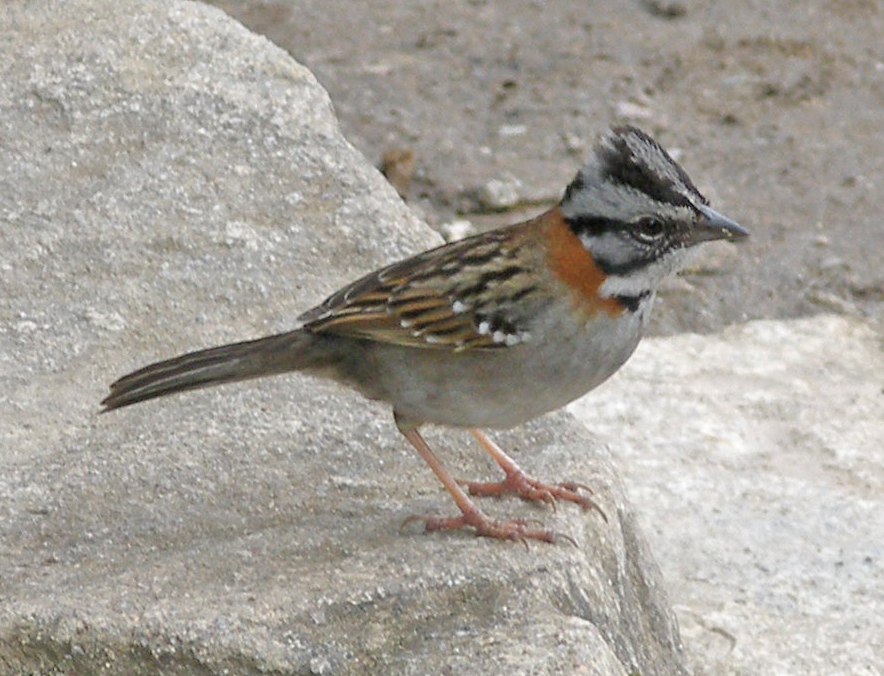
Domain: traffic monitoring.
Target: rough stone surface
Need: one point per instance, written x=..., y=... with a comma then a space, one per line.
x=169, y=180
x=755, y=459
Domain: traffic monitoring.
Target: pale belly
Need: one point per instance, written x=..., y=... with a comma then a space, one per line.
x=503, y=387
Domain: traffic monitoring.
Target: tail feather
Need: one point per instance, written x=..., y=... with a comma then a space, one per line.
x=228, y=363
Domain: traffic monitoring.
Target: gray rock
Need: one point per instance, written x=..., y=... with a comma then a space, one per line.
x=170, y=181
x=499, y=194
x=755, y=459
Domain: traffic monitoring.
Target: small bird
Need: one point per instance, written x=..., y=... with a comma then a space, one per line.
x=492, y=330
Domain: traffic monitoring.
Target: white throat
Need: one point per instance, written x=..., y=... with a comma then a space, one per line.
x=647, y=279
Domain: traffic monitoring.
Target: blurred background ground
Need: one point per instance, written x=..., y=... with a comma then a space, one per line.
x=775, y=109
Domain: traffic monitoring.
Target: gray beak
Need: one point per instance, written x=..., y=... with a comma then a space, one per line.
x=716, y=226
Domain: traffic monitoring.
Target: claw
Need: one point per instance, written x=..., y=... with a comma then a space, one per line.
x=574, y=486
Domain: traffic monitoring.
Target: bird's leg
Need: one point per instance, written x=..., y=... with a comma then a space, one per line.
x=517, y=482
x=471, y=516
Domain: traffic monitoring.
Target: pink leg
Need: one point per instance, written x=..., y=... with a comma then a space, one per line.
x=517, y=482
x=471, y=516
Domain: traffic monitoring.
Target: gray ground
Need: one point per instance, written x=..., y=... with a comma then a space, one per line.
x=762, y=507
x=777, y=109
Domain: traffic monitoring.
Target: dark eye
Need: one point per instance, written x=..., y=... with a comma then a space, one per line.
x=649, y=228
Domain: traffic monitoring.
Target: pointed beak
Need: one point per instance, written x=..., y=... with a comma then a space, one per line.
x=716, y=226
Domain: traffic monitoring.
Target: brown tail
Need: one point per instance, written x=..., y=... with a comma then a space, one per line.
x=216, y=365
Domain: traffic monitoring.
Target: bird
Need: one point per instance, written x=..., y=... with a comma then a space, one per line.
x=493, y=330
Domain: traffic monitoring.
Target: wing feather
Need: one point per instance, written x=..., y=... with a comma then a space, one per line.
x=451, y=297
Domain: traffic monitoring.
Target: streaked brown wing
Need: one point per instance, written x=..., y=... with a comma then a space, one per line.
x=452, y=297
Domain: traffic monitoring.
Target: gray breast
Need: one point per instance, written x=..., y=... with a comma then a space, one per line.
x=504, y=387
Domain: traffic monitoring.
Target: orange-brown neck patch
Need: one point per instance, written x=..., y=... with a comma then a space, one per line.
x=572, y=264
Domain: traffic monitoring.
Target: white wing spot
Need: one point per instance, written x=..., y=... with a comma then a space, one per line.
x=484, y=328
x=457, y=307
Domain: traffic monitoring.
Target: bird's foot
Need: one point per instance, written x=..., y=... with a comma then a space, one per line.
x=518, y=483
x=518, y=530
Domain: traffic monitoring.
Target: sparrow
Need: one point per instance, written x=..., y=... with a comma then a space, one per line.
x=493, y=330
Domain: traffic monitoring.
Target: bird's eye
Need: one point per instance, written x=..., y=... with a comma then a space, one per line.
x=649, y=228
